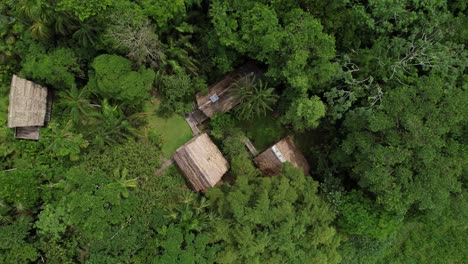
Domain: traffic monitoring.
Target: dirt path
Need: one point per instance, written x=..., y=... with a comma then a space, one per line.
x=164, y=166
x=250, y=146
x=193, y=124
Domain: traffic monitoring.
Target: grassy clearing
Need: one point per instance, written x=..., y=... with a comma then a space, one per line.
x=173, y=130
x=263, y=131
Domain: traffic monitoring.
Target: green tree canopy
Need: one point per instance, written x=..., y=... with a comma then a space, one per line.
x=305, y=113
x=83, y=10
x=297, y=52
x=56, y=67
x=400, y=148
x=275, y=220
x=113, y=78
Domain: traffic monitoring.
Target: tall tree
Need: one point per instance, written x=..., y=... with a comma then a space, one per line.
x=291, y=42
x=113, y=78
x=273, y=219
x=56, y=67
x=400, y=149
x=305, y=113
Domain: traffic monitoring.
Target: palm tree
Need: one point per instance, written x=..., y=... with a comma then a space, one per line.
x=76, y=105
x=177, y=57
x=255, y=99
x=87, y=33
x=63, y=142
x=111, y=126
x=41, y=17
x=122, y=183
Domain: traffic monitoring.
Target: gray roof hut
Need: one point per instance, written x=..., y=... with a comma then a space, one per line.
x=219, y=99
x=201, y=162
x=28, y=109
x=270, y=161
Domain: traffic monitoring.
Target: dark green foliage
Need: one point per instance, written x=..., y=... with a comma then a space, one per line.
x=221, y=125
x=263, y=131
x=110, y=127
x=256, y=99
x=19, y=189
x=359, y=216
x=14, y=245
x=375, y=90
x=400, y=149
x=177, y=92
x=275, y=220
x=298, y=53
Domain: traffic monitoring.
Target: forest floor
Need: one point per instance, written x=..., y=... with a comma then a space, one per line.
x=263, y=132
x=174, y=131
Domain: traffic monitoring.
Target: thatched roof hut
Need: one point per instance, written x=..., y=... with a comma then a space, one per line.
x=219, y=99
x=201, y=162
x=28, y=108
x=270, y=161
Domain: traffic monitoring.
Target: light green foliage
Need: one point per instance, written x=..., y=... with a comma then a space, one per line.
x=172, y=131
x=138, y=158
x=113, y=78
x=360, y=217
x=91, y=203
x=57, y=67
x=234, y=147
x=274, y=220
x=83, y=9
x=305, y=55
x=163, y=10
x=61, y=142
x=175, y=246
x=305, y=113
x=391, y=153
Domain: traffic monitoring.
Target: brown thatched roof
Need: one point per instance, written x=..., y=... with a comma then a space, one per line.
x=226, y=100
x=201, y=162
x=28, y=103
x=270, y=161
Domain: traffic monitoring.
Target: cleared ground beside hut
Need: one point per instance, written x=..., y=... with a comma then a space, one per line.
x=174, y=131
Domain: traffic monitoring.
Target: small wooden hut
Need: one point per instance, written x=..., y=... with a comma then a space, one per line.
x=218, y=98
x=201, y=162
x=271, y=160
x=28, y=109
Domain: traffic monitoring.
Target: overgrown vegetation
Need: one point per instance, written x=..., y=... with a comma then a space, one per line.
x=374, y=92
